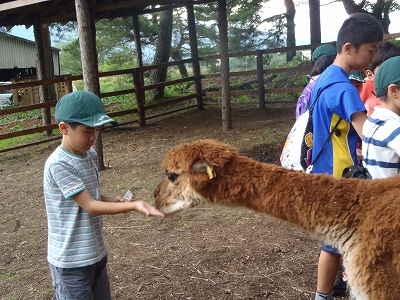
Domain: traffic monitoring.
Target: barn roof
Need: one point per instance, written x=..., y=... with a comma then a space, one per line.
x=24, y=12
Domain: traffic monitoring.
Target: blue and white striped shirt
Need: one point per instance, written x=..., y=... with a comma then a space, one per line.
x=381, y=143
x=75, y=238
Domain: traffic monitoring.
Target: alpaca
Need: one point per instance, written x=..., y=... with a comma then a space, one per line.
x=359, y=217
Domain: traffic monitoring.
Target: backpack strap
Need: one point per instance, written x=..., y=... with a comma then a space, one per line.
x=309, y=168
x=327, y=140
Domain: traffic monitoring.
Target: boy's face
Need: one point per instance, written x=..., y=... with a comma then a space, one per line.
x=361, y=58
x=79, y=140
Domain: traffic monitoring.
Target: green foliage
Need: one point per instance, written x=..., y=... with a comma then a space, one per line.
x=20, y=140
x=289, y=80
x=18, y=127
x=70, y=57
x=31, y=114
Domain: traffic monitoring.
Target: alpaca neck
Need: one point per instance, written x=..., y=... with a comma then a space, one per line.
x=313, y=202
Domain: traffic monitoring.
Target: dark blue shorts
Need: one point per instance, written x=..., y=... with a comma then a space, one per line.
x=85, y=283
x=329, y=249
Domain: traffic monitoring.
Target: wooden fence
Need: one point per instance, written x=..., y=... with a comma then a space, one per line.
x=139, y=89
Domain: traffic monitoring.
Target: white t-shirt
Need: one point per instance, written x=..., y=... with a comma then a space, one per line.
x=381, y=143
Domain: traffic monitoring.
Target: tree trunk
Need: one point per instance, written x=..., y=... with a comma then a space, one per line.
x=225, y=86
x=315, y=21
x=162, y=54
x=291, y=35
x=194, y=49
x=176, y=56
x=380, y=10
x=45, y=69
x=87, y=42
x=138, y=46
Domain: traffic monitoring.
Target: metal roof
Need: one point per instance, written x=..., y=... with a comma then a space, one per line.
x=24, y=12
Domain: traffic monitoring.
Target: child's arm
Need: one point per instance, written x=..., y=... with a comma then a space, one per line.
x=357, y=120
x=119, y=198
x=93, y=207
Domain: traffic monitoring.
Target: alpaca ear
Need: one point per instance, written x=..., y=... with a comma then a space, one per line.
x=203, y=166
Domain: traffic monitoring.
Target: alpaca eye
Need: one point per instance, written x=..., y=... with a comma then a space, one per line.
x=172, y=176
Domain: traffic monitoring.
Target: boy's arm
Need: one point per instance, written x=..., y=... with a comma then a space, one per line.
x=357, y=120
x=94, y=207
x=119, y=198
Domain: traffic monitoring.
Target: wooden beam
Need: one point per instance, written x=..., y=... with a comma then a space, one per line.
x=19, y=3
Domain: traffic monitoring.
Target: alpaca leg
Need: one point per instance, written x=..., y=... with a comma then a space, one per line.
x=327, y=268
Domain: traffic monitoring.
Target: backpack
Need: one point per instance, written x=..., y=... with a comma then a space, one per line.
x=303, y=103
x=297, y=150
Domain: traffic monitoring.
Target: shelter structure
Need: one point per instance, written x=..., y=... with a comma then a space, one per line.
x=41, y=13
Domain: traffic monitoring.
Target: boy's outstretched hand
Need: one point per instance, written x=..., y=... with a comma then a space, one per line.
x=148, y=209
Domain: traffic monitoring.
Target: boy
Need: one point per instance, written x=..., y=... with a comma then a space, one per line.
x=381, y=139
x=356, y=44
x=385, y=51
x=77, y=252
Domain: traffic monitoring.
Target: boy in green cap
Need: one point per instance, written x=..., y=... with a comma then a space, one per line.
x=381, y=132
x=77, y=252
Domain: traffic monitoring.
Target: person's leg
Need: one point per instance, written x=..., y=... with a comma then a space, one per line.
x=327, y=268
x=340, y=286
x=101, y=285
x=72, y=283
x=86, y=283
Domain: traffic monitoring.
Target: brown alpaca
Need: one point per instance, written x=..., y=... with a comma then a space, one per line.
x=359, y=217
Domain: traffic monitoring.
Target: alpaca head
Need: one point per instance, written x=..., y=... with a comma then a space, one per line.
x=189, y=168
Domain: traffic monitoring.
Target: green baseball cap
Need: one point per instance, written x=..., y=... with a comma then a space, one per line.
x=356, y=75
x=82, y=107
x=388, y=73
x=323, y=50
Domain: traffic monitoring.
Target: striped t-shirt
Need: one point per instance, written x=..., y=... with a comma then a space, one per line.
x=381, y=143
x=75, y=238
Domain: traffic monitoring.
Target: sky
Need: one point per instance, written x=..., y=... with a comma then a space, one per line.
x=332, y=17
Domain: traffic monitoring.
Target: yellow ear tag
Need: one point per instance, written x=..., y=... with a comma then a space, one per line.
x=211, y=173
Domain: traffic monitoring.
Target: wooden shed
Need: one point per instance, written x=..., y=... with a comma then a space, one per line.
x=18, y=57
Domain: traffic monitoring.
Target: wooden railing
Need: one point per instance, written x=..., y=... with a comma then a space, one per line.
x=139, y=88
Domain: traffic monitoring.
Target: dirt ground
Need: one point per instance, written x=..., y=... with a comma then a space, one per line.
x=202, y=253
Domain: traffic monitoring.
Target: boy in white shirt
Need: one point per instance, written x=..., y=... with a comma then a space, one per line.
x=381, y=132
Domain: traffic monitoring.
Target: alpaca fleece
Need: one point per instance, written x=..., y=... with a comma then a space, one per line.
x=359, y=217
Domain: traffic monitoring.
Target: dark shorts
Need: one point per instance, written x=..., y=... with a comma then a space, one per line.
x=329, y=249
x=85, y=283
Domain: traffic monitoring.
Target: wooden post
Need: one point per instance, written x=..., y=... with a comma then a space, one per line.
x=139, y=96
x=260, y=80
x=42, y=52
x=225, y=86
x=87, y=42
x=195, y=56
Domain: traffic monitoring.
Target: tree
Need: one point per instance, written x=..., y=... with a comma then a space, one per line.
x=291, y=35
x=162, y=54
x=315, y=21
x=380, y=10
x=115, y=39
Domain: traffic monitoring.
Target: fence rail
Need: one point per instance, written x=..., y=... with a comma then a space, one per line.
x=139, y=88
